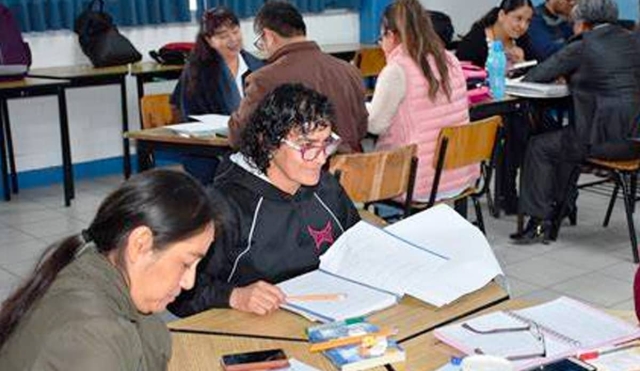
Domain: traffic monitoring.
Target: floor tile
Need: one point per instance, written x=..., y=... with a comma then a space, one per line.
x=520, y=288
x=543, y=272
x=582, y=258
x=52, y=227
x=624, y=271
x=596, y=288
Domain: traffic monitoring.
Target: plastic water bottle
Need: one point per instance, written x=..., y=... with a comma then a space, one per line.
x=497, y=69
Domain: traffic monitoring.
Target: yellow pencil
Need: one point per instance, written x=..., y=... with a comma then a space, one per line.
x=317, y=297
x=335, y=343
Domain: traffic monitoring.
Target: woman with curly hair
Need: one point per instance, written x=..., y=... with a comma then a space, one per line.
x=282, y=210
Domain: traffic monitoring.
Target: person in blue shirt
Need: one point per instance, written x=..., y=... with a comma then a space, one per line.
x=550, y=28
x=213, y=78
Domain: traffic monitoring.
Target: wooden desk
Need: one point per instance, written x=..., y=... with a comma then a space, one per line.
x=32, y=87
x=86, y=75
x=203, y=352
x=411, y=317
x=150, y=140
x=345, y=51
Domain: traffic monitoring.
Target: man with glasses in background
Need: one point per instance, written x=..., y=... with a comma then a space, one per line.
x=281, y=211
x=550, y=27
x=292, y=58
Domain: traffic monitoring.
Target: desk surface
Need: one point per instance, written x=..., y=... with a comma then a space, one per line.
x=30, y=82
x=203, y=352
x=79, y=71
x=164, y=135
x=411, y=317
x=153, y=67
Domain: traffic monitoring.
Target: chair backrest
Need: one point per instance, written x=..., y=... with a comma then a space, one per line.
x=375, y=176
x=464, y=145
x=370, y=61
x=156, y=111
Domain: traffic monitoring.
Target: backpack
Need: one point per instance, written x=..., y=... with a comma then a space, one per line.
x=173, y=53
x=15, y=55
x=100, y=39
x=476, y=77
x=443, y=26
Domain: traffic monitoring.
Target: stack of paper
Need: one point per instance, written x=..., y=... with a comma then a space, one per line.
x=519, y=88
x=207, y=126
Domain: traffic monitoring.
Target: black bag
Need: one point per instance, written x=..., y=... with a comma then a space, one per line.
x=100, y=39
x=443, y=27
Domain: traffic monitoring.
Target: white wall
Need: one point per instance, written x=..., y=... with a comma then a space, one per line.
x=94, y=113
x=462, y=12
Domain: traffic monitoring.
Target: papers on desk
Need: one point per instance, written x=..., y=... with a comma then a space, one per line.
x=567, y=327
x=435, y=256
x=519, y=88
x=207, y=126
x=295, y=365
x=626, y=359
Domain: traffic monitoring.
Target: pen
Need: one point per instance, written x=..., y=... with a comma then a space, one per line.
x=335, y=343
x=597, y=353
x=317, y=297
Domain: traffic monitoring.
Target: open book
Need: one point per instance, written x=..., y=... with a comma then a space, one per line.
x=538, y=335
x=435, y=256
x=207, y=126
x=519, y=88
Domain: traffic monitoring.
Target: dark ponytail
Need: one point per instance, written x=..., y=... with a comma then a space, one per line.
x=506, y=6
x=172, y=204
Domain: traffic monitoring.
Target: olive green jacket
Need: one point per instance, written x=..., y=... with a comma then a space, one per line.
x=87, y=321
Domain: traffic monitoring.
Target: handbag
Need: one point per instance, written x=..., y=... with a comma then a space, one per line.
x=173, y=53
x=100, y=39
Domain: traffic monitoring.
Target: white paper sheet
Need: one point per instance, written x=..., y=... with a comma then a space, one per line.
x=471, y=265
x=536, y=90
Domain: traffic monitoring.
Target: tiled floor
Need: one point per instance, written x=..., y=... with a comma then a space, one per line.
x=588, y=262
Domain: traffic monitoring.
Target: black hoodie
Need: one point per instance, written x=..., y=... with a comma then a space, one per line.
x=263, y=233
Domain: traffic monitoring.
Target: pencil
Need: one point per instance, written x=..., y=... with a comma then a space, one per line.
x=335, y=343
x=317, y=297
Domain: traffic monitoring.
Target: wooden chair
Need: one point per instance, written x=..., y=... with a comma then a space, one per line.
x=370, y=61
x=156, y=111
x=375, y=176
x=624, y=174
x=460, y=146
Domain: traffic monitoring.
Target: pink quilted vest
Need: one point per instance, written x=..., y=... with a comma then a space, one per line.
x=419, y=120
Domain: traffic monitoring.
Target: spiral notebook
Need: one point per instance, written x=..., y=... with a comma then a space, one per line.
x=558, y=329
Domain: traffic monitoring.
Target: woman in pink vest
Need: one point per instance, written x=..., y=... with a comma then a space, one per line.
x=420, y=91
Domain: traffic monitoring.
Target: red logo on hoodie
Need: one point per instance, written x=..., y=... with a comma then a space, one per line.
x=322, y=236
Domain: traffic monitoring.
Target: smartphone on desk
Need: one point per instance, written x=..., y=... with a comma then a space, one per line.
x=253, y=361
x=567, y=364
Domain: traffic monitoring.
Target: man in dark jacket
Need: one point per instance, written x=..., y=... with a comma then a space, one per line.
x=550, y=29
x=292, y=59
x=280, y=210
x=602, y=68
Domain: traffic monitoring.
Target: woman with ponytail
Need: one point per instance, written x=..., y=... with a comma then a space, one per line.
x=90, y=302
x=213, y=79
x=420, y=91
x=508, y=23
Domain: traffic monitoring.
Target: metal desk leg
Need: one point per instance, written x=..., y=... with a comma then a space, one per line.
x=125, y=128
x=3, y=155
x=66, y=148
x=145, y=155
x=9, y=141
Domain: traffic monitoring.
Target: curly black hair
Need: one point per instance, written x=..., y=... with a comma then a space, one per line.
x=286, y=108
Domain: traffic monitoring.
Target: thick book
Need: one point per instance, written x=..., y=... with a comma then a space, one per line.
x=540, y=334
x=206, y=126
x=436, y=256
x=350, y=357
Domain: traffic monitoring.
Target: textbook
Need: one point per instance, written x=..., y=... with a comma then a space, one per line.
x=351, y=357
x=436, y=256
x=540, y=334
x=519, y=88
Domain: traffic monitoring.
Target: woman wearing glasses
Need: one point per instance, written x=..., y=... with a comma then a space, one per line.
x=282, y=210
x=212, y=80
x=420, y=91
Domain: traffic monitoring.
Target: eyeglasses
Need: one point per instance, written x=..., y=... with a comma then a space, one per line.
x=258, y=42
x=310, y=152
x=532, y=327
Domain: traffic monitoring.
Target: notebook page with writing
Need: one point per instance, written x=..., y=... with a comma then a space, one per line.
x=472, y=263
x=376, y=258
x=588, y=326
x=215, y=122
x=360, y=300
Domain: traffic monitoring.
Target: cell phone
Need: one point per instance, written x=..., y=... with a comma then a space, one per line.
x=568, y=364
x=261, y=360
